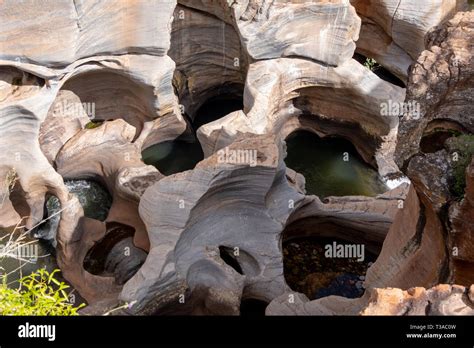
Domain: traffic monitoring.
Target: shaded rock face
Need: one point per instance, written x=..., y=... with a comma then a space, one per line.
x=393, y=32
x=462, y=234
x=441, y=82
x=210, y=59
x=208, y=240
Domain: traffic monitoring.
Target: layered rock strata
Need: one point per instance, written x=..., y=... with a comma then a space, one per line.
x=126, y=76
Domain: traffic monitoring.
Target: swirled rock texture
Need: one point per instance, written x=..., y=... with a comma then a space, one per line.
x=324, y=31
x=83, y=95
x=78, y=30
x=181, y=209
x=393, y=32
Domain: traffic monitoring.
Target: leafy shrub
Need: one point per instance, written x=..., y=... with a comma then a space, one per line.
x=40, y=293
x=371, y=64
x=463, y=147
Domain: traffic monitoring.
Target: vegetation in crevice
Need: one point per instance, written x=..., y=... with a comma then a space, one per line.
x=371, y=64
x=461, y=149
x=93, y=124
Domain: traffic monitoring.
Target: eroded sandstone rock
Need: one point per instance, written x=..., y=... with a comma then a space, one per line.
x=180, y=209
x=393, y=32
x=214, y=232
x=83, y=29
x=442, y=299
x=440, y=83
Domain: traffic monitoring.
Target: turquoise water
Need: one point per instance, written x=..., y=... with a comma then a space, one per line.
x=327, y=173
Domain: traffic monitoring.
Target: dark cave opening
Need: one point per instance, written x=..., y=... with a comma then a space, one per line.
x=174, y=156
x=115, y=255
x=434, y=141
x=228, y=257
x=94, y=262
x=331, y=166
x=217, y=107
x=379, y=70
x=437, y=132
x=17, y=77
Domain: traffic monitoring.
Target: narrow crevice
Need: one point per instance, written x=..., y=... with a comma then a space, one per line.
x=415, y=242
x=227, y=255
x=380, y=71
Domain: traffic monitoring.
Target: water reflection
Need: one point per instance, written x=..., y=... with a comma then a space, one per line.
x=331, y=166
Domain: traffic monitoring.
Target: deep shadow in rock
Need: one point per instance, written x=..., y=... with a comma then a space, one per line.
x=115, y=255
x=216, y=108
x=227, y=256
x=437, y=132
x=184, y=152
x=174, y=156
x=380, y=71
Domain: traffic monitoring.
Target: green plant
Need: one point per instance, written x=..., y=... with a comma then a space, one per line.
x=370, y=64
x=39, y=293
x=17, y=81
x=461, y=149
x=93, y=124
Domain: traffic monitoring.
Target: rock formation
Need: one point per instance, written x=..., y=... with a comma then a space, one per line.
x=122, y=77
x=393, y=32
x=442, y=299
x=428, y=242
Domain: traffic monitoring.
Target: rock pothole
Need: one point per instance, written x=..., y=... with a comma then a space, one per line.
x=331, y=166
